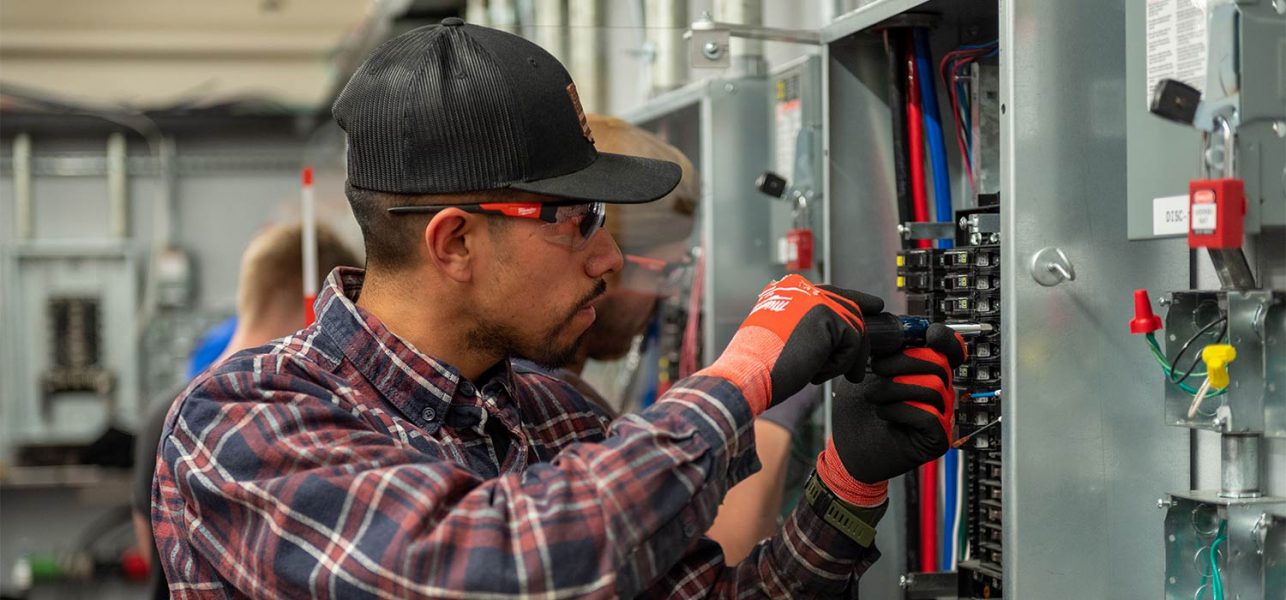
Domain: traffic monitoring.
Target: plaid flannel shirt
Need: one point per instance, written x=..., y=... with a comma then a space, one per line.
x=340, y=462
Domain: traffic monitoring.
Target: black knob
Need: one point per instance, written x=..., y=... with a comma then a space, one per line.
x=1176, y=101
x=772, y=184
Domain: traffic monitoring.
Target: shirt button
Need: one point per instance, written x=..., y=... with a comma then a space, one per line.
x=467, y=388
x=428, y=414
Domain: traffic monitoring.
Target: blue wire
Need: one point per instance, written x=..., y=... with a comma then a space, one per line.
x=964, y=120
x=950, y=462
x=984, y=394
x=933, y=131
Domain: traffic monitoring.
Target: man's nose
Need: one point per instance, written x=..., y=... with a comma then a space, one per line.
x=605, y=256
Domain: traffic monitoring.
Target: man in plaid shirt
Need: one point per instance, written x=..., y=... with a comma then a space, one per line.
x=396, y=448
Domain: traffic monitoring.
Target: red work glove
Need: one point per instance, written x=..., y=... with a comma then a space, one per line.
x=797, y=333
x=896, y=420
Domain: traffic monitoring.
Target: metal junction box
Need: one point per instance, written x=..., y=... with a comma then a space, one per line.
x=1256, y=328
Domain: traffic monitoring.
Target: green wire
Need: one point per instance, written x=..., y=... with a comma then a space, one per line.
x=1165, y=366
x=1216, y=580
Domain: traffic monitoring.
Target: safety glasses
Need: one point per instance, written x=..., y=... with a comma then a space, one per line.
x=644, y=273
x=570, y=225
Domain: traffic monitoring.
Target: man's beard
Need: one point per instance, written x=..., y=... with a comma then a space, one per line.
x=507, y=340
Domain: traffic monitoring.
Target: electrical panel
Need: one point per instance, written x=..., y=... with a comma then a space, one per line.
x=74, y=353
x=962, y=285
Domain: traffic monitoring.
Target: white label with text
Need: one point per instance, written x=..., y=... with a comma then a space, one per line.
x=1170, y=216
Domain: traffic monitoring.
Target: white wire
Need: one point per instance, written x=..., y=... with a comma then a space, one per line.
x=1196, y=400
x=960, y=500
x=941, y=508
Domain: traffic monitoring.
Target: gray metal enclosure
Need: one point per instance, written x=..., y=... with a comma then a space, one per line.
x=1087, y=452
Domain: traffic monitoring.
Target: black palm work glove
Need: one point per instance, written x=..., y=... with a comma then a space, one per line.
x=900, y=417
x=796, y=333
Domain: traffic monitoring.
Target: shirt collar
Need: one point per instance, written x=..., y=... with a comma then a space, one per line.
x=406, y=377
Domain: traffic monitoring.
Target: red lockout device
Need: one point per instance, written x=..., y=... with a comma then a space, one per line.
x=799, y=249
x=1216, y=213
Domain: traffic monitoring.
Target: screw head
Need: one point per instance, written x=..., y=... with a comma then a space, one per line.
x=711, y=50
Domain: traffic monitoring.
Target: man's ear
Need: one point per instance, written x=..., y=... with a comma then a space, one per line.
x=448, y=243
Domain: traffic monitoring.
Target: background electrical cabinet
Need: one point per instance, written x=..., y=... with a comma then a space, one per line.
x=722, y=127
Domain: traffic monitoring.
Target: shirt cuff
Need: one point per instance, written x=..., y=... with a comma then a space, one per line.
x=816, y=559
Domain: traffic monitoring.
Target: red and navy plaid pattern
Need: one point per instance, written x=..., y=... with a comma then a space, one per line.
x=340, y=462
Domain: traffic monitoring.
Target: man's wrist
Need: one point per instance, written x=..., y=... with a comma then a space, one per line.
x=856, y=522
x=746, y=364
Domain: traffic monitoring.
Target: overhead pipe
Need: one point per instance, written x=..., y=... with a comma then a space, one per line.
x=117, y=185
x=586, y=20
x=475, y=12
x=550, y=27
x=747, y=55
x=22, y=218
x=665, y=21
x=503, y=15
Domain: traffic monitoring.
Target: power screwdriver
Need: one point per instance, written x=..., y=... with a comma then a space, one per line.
x=888, y=333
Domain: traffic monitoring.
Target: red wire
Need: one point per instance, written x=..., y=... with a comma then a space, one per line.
x=957, y=115
x=948, y=76
x=929, y=517
x=915, y=142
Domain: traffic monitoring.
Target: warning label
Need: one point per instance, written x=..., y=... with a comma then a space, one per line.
x=1176, y=42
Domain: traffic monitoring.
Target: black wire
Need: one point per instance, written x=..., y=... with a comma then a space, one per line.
x=893, y=45
x=1187, y=344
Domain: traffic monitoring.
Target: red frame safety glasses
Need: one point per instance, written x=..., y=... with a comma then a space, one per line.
x=570, y=225
x=665, y=278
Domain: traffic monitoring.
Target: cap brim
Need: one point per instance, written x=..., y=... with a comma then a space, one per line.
x=611, y=178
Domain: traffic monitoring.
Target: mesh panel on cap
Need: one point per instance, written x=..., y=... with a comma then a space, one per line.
x=430, y=112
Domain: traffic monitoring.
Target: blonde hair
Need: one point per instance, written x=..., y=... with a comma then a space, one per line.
x=271, y=281
x=637, y=227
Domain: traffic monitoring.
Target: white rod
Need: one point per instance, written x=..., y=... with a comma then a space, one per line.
x=551, y=27
x=587, y=62
x=22, y=186
x=117, y=192
x=665, y=22
x=309, y=229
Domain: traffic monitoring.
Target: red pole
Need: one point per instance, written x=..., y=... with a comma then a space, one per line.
x=915, y=142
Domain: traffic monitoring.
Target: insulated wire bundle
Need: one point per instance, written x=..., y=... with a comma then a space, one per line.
x=951, y=70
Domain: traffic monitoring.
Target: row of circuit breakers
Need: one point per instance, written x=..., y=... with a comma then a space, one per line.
x=962, y=285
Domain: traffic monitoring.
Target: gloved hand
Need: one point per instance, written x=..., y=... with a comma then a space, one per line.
x=796, y=333
x=896, y=420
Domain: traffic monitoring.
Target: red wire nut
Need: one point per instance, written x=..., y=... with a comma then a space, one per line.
x=1144, y=321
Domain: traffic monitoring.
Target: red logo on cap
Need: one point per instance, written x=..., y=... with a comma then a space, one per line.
x=580, y=113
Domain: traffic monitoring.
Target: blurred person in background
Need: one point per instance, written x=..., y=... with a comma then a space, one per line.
x=655, y=239
x=270, y=304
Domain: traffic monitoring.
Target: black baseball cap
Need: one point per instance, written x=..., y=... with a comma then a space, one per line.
x=459, y=108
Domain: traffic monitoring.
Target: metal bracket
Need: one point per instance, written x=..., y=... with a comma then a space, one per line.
x=708, y=47
x=927, y=230
x=755, y=32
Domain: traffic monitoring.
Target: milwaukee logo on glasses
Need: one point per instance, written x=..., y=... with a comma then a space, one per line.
x=525, y=211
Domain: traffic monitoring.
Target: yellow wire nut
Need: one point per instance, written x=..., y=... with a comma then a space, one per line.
x=1217, y=357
